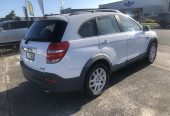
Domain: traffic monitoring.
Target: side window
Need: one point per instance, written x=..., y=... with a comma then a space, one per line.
x=128, y=24
x=13, y=25
x=10, y=25
x=6, y=26
x=107, y=25
x=88, y=29
x=22, y=24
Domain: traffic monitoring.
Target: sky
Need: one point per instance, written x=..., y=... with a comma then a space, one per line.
x=50, y=6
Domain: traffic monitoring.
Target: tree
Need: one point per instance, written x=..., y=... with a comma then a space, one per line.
x=12, y=16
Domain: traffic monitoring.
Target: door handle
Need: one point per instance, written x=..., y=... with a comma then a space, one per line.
x=105, y=42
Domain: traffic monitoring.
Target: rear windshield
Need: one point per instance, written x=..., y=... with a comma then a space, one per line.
x=46, y=31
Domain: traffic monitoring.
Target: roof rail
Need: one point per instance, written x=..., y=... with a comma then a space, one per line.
x=79, y=12
x=95, y=10
x=107, y=10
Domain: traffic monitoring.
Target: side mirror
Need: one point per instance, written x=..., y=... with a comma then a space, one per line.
x=146, y=28
x=1, y=29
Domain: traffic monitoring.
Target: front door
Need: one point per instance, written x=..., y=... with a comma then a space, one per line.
x=136, y=42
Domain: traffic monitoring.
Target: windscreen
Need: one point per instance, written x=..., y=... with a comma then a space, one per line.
x=46, y=31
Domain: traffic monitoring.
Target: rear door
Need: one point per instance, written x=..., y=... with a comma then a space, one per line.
x=8, y=34
x=36, y=42
x=113, y=42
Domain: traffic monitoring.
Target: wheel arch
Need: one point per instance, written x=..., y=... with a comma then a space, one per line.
x=92, y=61
x=155, y=39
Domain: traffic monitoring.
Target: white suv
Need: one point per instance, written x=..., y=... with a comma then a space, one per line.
x=78, y=51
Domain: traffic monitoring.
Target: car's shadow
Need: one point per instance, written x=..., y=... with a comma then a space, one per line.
x=124, y=73
x=27, y=100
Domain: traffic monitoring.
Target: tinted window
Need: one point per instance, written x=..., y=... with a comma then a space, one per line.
x=88, y=29
x=107, y=25
x=46, y=30
x=128, y=24
x=13, y=25
x=6, y=26
x=22, y=24
x=10, y=25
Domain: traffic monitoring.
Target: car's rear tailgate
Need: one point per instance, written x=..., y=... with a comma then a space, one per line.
x=38, y=49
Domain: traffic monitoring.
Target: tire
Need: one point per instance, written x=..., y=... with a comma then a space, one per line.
x=151, y=53
x=95, y=84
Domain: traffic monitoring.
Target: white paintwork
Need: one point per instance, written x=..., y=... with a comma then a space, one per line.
x=116, y=48
x=40, y=55
x=119, y=48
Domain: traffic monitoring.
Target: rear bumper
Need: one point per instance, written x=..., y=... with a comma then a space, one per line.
x=51, y=82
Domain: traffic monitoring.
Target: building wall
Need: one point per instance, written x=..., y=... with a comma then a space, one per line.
x=137, y=3
x=152, y=11
x=166, y=6
x=150, y=8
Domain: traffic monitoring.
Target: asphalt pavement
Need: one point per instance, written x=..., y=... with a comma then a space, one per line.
x=137, y=90
x=164, y=36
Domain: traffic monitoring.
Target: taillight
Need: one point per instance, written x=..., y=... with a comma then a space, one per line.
x=56, y=51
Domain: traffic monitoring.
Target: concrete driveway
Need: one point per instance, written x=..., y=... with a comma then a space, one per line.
x=164, y=36
x=137, y=90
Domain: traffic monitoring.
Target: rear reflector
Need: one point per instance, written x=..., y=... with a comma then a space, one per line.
x=56, y=51
x=50, y=81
